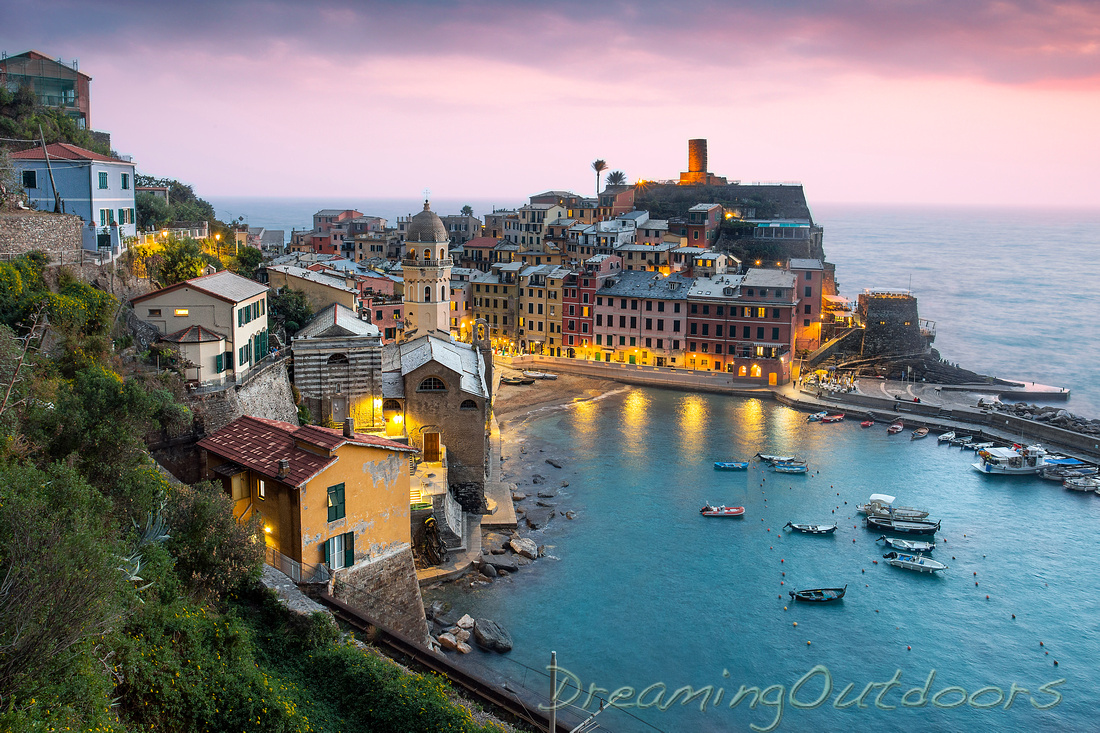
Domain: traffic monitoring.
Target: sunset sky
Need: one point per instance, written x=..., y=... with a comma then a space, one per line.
x=937, y=102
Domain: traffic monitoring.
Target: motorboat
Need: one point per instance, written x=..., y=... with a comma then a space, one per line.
x=980, y=446
x=812, y=528
x=833, y=418
x=769, y=458
x=883, y=505
x=818, y=595
x=907, y=545
x=919, y=433
x=917, y=562
x=816, y=416
x=867, y=423
x=722, y=511
x=731, y=465
x=790, y=467
x=946, y=437
x=902, y=526
x=1015, y=461
x=1082, y=483
x=1061, y=473
x=896, y=427
x=963, y=440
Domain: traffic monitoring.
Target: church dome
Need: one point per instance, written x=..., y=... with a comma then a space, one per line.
x=426, y=227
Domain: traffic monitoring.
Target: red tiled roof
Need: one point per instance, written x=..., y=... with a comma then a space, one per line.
x=483, y=242
x=63, y=151
x=259, y=444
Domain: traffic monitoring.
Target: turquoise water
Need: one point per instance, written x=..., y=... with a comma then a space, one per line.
x=643, y=590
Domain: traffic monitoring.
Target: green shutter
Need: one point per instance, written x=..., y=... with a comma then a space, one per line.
x=256, y=310
x=349, y=549
x=240, y=317
x=327, y=549
x=219, y=363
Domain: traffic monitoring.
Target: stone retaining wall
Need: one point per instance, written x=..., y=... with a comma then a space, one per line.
x=386, y=589
x=22, y=232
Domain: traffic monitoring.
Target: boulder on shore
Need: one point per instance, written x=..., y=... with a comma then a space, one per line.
x=553, y=463
x=466, y=622
x=525, y=547
x=488, y=570
x=538, y=478
x=492, y=636
x=502, y=563
x=447, y=641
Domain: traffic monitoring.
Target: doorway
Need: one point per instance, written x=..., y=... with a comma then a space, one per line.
x=431, y=447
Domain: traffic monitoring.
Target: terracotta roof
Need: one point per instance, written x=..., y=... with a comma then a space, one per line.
x=259, y=444
x=482, y=243
x=193, y=335
x=63, y=151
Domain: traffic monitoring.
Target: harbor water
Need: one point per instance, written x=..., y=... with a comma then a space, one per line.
x=641, y=591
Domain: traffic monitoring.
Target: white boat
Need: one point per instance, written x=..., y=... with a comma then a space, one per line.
x=963, y=440
x=1014, y=461
x=946, y=437
x=795, y=467
x=907, y=545
x=1082, y=483
x=882, y=505
x=980, y=446
x=917, y=562
x=540, y=375
x=817, y=416
x=769, y=458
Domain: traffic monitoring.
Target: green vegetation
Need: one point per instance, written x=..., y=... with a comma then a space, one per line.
x=154, y=212
x=288, y=308
x=129, y=602
x=21, y=115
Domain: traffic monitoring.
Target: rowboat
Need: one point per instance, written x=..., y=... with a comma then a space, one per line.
x=980, y=446
x=896, y=427
x=1082, y=483
x=818, y=595
x=946, y=437
x=919, y=433
x=516, y=380
x=867, y=423
x=722, y=511
x=790, y=467
x=908, y=545
x=920, y=563
x=540, y=375
x=731, y=465
x=833, y=418
x=963, y=440
x=769, y=458
x=812, y=528
x=883, y=505
x=817, y=416
x=902, y=526
x=1061, y=473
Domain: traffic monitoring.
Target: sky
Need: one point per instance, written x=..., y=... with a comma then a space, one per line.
x=930, y=102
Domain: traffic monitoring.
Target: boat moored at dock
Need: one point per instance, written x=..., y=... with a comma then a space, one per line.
x=839, y=417
x=919, y=433
x=896, y=427
x=946, y=437
x=1082, y=483
x=816, y=416
x=1014, y=461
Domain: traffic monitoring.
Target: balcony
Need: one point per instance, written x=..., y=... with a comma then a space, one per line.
x=412, y=261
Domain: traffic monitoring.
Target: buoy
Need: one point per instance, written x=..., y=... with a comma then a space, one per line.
x=1013, y=615
x=796, y=623
x=781, y=582
x=1040, y=643
x=853, y=540
x=875, y=562
x=863, y=570
x=987, y=598
x=975, y=572
x=909, y=648
x=952, y=557
x=1055, y=661
x=784, y=608
x=876, y=610
x=784, y=575
x=769, y=529
x=808, y=643
x=781, y=560
x=975, y=582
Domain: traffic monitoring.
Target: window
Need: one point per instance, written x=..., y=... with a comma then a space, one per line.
x=706, y=310
x=622, y=321
x=760, y=332
x=648, y=324
x=338, y=359
x=806, y=309
x=432, y=384
x=809, y=276
x=675, y=326
x=219, y=363
x=468, y=405
x=694, y=307
x=693, y=328
x=660, y=343
x=706, y=329
x=675, y=307
x=633, y=341
x=125, y=181
x=154, y=311
x=809, y=291
x=634, y=321
x=746, y=332
x=599, y=339
x=649, y=305
x=718, y=331
x=805, y=321
x=622, y=341
x=180, y=312
x=340, y=551
x=584, y=328
x=675, y=344
x=261, y=490
x=30, y=179
x=660, y=306
x=691, y=346
x=633, y=305
x=660, y=324
x=335, y=502
x=648, y=343
x=775, y=313
x=103, y=180
x=775, y=334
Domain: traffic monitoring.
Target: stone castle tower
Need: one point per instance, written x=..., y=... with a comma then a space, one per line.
x=426, y=269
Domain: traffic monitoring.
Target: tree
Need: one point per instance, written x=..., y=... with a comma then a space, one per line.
x=599, y=165
x=616, y=178
x=290, y=309
x=153, y=211
x=180, y=259
x=246, y=262
x=467, y=210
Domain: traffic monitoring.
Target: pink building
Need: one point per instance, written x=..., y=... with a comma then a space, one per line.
x=578, y=304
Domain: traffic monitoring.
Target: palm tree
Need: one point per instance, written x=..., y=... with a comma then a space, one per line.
x=616, y=178
x=467, y=210
x=599, y=165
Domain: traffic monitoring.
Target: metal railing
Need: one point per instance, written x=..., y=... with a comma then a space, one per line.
x=296, y=571
x=232, y=380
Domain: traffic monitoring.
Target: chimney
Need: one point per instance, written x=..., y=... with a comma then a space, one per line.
x=349, y=427
x=284, y=468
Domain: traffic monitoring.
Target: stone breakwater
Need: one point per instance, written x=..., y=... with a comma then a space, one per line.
x=1055, y=416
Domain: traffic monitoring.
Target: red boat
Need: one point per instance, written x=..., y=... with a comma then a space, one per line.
x=722, y=511
x=832, y=418
x=867, y=423
x=896, y=427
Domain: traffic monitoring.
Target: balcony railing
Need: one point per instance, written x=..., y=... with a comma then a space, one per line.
x=296, y=571
x=415, y=262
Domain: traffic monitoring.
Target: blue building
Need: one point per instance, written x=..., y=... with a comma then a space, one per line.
x=98, y=188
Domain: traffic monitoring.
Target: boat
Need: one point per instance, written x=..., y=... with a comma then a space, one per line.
x=812, y=528
x=790, y=467
x=516, y=380
x=867, y=423
x=980, y=446
x=817, y=416
x=731, y=465
x=896, y=427
x=883, y=505
x=946, y=437
x=540, y=375
x=962, y=440
x=833, y=418
x=722, y=511
x=818, y=595
x=919, y=433
x=908, y=545
x=769, y=458
x=1061, y=473
x=1082, y=483
x=902, y=525
x=1015, y=461
x=917, y=562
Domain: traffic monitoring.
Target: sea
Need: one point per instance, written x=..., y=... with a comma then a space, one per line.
x=686, y=622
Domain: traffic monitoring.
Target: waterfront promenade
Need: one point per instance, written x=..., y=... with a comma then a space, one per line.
x=940, y=407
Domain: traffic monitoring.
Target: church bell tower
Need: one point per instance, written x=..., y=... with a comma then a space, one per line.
x=426, y=270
